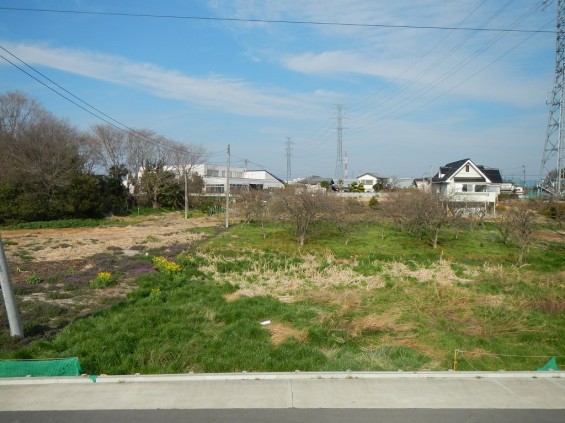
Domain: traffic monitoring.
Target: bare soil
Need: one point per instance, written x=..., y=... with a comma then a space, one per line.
x=51, y=269
x=80, y=243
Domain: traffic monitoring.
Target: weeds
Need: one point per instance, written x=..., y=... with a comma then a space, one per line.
x=102, y=280
x=383, y=302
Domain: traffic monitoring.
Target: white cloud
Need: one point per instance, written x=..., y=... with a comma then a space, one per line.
x=215, y=92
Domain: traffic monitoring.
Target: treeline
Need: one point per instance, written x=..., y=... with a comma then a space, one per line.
x=50, y=170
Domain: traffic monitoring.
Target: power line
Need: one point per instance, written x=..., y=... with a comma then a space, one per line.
x=273, y=21
x=97, y=113
x=400, y=105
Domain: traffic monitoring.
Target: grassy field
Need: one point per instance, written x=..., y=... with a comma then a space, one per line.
x=384, y=301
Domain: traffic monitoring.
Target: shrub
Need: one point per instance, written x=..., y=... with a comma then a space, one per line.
x=165, y=266
x=103, y=280
x=34, y=280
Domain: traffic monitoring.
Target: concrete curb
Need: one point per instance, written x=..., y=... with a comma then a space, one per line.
x=329, y=390
x=137, y=378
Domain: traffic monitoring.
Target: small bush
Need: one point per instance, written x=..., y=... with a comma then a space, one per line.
x=103, y=280
x=34, y=280
x=374, y=202
x=165, y=266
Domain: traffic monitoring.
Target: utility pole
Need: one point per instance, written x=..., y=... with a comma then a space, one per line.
x=288, y=156
x=185, y=194
x=14, y=319
x=552, y=172
x=228, y=190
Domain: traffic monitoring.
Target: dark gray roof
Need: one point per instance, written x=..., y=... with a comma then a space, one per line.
x=492, y=173
x=450, y=168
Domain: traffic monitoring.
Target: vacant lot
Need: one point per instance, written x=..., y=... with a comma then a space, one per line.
x=252, y=299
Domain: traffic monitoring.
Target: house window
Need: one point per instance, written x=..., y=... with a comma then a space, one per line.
x=215, y=188
x=464, y=188
x=480, y=188
x=467, y=168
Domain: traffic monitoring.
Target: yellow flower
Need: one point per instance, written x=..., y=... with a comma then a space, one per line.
x=165, y=266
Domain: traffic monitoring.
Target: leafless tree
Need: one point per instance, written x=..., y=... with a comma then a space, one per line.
x=517, y=223
x=44, y=151
x=346, y=213
x=17, y=111
x=300, y=207
x=253, y=206
x=423, y=214
x=112, y=147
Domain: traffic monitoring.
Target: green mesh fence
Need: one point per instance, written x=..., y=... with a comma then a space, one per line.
x=55, y=367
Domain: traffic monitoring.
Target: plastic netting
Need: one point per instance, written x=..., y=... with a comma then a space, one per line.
x=53, y=367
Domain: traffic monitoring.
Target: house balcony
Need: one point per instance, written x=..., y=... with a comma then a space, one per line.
x=474, y=197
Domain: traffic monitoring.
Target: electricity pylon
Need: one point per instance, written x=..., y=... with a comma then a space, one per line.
x=339, y=158
x=552, y=173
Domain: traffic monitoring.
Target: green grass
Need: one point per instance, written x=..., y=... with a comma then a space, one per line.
x=385, y=301
x=57, y=224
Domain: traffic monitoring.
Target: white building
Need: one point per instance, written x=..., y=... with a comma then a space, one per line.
x=240, y=178
x=370, y=179
x=465, y=182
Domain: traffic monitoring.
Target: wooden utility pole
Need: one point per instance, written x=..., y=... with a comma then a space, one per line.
x=14, y=319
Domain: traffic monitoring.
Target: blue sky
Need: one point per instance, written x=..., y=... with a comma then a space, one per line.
x=412, y=99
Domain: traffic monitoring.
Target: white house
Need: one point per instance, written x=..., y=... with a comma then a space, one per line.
x=464, y=181
x=370, y=179
x=240, y=178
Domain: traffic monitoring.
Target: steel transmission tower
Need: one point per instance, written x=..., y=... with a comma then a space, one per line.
x=288, y=156
x=552, y=177
x=339, y=158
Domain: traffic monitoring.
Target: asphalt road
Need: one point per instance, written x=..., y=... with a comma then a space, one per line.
x=288, y=416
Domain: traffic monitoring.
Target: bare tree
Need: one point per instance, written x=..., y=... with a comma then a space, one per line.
x=252, y=205
x=300, y=207
x=423, y=214
x=46, y=152
x=524, y=223
x=517, y=223
x=112, y=148
x=346, y=212
x=17, y=111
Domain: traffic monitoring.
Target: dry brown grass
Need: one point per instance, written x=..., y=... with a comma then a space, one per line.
x=281, y=332
x=293, y=282
x=377, y=323
x=159, y=231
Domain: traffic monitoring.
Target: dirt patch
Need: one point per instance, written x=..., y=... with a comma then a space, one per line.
x=550, y=235
x=72, y=243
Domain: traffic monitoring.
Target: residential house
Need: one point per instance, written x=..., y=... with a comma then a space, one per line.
x=370, y=179
x=463, y=181
x=423, y=184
